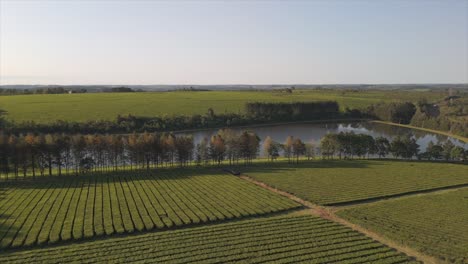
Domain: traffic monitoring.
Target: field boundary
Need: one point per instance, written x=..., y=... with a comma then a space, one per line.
x=396, y=196
x=329, y=214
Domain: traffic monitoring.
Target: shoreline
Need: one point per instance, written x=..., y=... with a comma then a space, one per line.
x=448, y=134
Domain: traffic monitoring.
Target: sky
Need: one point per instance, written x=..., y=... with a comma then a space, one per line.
x=233, y=42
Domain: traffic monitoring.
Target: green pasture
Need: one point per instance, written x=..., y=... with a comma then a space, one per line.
x=106, y=106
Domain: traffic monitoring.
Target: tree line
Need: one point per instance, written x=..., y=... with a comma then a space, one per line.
x=45, y=90
x=347, y=145
x=421, y=114
x=255, y=113
x=293, y=111
x=54, y=154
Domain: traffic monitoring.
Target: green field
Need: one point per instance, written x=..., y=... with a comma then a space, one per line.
x=331, y=182
x=436, y=224
x=302, y=239
x=106, y=106
x=50, y=210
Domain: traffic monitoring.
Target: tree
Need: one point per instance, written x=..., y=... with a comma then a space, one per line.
x=447, y=149
x=271, y=148
x=4, y=155
x=169, y=147
x=231, y=141
x=405, y=147
x=298, y=148
x=458, y=153
x=145, y=144
x=78, y=148
x=434, y=151
x=310, y=150
x=131, y=143
x=397, y=147
x=202, y=152
x=49, y=151
x=58, y=145
x=31, y=148
x=382, y=146
x=329, y=145
x=217, y=148
x=288, y=148
x=184, y=149
x=401, y=113
x=369, y=145
x=249, y=144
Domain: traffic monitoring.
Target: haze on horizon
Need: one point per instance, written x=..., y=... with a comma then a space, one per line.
x=264, y=42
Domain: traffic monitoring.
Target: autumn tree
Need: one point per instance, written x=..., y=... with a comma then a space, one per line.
x=217, y=148
x=288, y=148
x=298, y=148
x=271, y=148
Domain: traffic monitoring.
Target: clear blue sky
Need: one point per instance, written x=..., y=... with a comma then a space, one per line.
x=196, y=42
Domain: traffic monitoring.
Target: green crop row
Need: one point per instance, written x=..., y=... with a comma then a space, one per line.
x=282, y=239
x=332, y=182
x=436, y=224
x=49, y=211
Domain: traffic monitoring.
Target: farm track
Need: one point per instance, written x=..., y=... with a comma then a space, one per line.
x=329, y=214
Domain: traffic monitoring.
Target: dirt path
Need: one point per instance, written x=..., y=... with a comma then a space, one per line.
x=329, y=213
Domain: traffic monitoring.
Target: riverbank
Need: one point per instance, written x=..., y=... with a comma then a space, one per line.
x=448, y=134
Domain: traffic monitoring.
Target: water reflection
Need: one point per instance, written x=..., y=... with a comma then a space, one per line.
x=312, y=133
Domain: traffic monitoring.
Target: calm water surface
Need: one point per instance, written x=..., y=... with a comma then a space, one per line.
x=312, y=133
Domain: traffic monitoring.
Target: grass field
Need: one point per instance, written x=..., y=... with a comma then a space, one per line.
x=71, y=208
x=436, y=224
x=331, y=182
x=282, y=239
x=106, y=106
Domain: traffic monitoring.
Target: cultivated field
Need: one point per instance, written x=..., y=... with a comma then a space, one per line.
x=106, y=106
x=435, y=224
x=70, y=208
x=275, y=239
x=332, y=182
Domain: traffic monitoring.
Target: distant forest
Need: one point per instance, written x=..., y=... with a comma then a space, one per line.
x=59, y=89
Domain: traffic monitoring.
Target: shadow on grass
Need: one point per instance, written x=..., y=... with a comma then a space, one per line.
x=280, y=167
x=95, y=177
x=179, y=173
x=6, y=232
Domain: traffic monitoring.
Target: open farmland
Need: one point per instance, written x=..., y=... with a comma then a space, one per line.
x=334, y=182
x=106, y=106
x=435, y=224
x=71, y=208
x=275, y=239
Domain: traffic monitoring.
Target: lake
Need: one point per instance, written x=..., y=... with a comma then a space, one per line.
x=313, y=132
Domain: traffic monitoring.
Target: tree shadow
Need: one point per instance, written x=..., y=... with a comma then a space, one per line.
x=163, y=174
x=179, y=173
x=6, y=232
x=281, y=166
